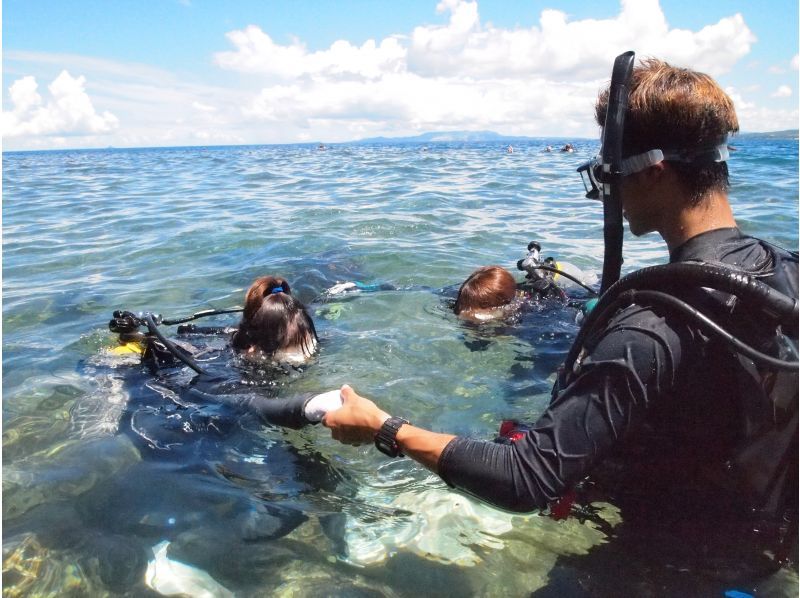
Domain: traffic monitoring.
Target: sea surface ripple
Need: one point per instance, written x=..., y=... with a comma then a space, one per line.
x=179, y=230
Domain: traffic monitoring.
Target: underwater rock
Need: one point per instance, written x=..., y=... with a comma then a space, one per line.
x=442, y=525
x=29, y=569
x=68, y=469
x=26, y=435
x=118, y=561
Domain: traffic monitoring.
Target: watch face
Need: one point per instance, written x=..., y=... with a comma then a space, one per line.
x=385, y=439
x=387, y=448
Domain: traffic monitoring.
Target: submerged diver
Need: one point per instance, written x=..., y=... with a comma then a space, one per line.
x=488, y=293
x=213, y=466
x=679, y=396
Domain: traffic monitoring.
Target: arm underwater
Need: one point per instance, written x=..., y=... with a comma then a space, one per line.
x=158, y=352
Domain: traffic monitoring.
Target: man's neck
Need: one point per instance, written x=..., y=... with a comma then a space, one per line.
x=712, y=213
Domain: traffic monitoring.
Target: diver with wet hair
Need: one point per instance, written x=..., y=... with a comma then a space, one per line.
x=275, y=331
x=216, y=431
x=491, y=292
x=275, y=325
x=678, y=401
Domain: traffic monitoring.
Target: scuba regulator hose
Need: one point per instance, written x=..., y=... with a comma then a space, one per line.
x=153, y=329
x=653, y=285
x=202, y=314
x=126, y=324
x=574, y=279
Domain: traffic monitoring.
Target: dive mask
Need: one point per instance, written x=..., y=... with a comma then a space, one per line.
x=592, y=171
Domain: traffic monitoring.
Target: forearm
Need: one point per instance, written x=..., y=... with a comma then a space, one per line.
x=359, y=420
x=423, y=446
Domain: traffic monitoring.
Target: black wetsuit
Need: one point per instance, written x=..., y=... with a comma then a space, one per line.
x=655, y=409
x=285, y=411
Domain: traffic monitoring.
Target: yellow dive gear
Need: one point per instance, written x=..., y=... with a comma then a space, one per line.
x=125, y=348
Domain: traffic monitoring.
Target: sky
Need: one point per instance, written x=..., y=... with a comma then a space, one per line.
x=128, y=73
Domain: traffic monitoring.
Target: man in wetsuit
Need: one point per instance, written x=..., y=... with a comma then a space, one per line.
x=655, y=411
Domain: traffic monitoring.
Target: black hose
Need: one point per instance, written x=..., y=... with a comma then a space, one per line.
x=153, y=329
x=714, y=328
x=565, y=275
x=683, y=275
x=202, y=314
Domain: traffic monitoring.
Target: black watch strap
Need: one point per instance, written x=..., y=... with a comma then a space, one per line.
x=386, y=438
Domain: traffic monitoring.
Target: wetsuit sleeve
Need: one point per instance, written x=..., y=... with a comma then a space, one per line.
x=634, y=361
x=286, y=412
x=289, y=412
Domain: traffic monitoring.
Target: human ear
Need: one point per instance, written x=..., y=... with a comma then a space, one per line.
x=653, y=176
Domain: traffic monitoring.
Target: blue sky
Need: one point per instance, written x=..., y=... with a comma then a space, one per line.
x=90, y=73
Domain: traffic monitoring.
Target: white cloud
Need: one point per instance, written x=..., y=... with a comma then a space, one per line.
x=152, y=104
x=203, y=107
x=561, y=48
x=753, y=118
x=795, y=61
x=461, y=73
x=466, y=74
x=257, y=53
x=464, y=47
x=784, y=91
x=69, y=111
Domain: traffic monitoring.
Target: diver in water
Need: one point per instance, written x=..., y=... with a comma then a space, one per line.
x=491, y=292
x=275, y=325
x=678, y=398
x=275, y=330
x=488, y=293
x=213, y=464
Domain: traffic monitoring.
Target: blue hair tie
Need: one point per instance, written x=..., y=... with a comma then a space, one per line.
x=276, y=290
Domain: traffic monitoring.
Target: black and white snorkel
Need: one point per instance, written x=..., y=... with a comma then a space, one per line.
x=604, y=174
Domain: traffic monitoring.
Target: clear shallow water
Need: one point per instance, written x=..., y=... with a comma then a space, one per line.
x=259, y=509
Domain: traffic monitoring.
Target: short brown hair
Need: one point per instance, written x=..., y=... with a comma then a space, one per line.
x=485, y=288
x=672, y=108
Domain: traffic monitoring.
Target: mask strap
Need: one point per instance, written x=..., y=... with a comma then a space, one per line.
x=639, y=162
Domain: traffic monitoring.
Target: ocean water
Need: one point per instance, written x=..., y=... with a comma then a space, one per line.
x=113, y=485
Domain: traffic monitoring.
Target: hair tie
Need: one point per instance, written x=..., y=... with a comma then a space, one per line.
x=276, y=290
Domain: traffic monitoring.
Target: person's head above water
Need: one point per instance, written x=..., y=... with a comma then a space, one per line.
x=683, y=113
x=485, y=292
x=275, y=324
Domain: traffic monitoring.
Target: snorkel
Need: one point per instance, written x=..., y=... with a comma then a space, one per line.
x=604, y=176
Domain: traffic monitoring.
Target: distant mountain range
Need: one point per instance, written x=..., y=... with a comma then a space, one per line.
x=453, y=136
x=489, y=136
x=787, y=134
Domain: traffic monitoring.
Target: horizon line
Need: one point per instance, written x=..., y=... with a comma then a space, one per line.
x=409, y=139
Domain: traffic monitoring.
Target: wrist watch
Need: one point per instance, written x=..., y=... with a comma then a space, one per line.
x=386, y=438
